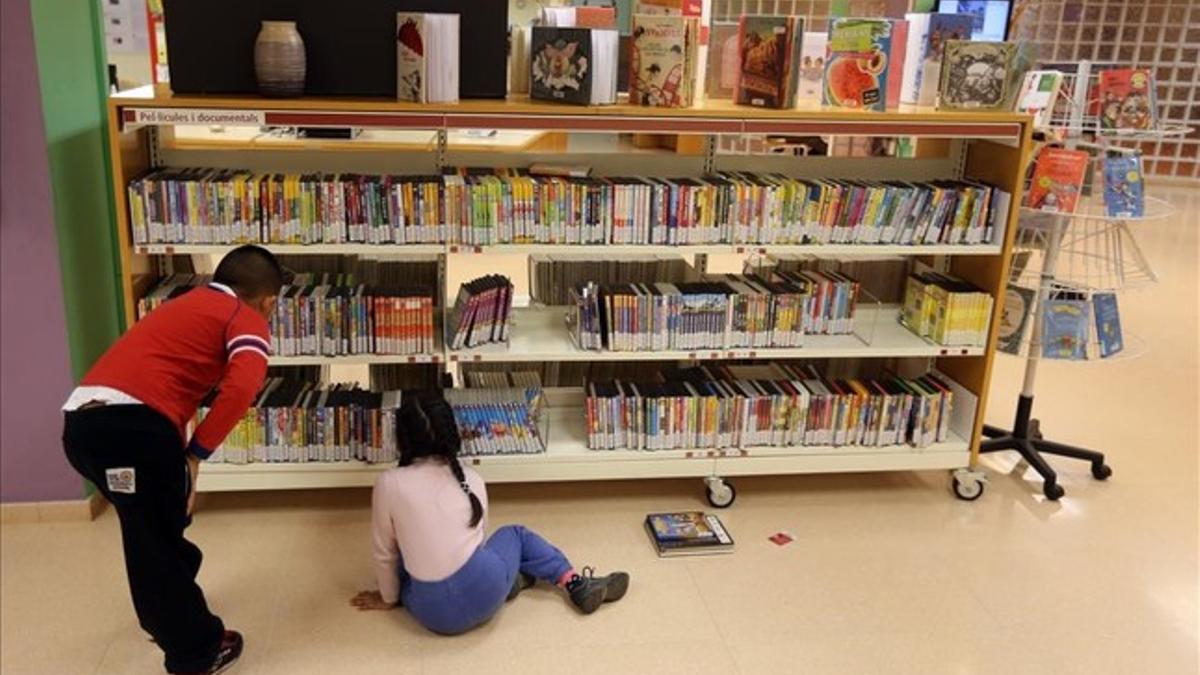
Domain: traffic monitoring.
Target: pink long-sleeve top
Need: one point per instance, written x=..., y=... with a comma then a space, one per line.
x=420, y=514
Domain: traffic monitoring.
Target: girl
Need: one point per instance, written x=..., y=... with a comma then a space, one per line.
x=429, y=519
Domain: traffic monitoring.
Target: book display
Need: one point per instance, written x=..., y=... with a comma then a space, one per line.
x=805, y=324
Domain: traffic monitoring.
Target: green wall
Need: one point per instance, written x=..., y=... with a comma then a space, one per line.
x=71, y=67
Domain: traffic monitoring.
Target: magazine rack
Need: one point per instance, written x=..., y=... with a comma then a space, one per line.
x=1084, y=252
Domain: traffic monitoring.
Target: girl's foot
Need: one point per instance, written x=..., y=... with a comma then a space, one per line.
x=588, y=591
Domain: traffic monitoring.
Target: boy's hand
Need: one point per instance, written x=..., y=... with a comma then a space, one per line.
x=368, y=600
x=193, y=471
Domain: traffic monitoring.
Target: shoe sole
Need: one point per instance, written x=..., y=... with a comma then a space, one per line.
x=618, y=584
x=227, y=666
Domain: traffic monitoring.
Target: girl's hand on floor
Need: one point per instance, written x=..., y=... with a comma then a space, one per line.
x=368, y=600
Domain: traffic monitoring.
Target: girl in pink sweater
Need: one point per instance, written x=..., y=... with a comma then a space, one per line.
x=429, y=521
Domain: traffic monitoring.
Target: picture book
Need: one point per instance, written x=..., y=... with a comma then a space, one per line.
x=1065, y=329
x=663, y=61
x=1058, y=179
x=427, y=66
x=812, y=68
x=723, y=60
x=410, y=55
x=927, y=36
x=1126, y=99
x=768, y=49
x=1014, y=320
x=976, y=75
x=856, y=71
x=1039, y=93
x=1108, y=324
x=1124, y=195
x=561, y=65
x=688, y=533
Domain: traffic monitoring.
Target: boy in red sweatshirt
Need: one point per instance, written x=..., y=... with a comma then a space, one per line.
x=126, y=431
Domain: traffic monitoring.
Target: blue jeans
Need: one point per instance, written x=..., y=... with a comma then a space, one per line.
x=474, y=593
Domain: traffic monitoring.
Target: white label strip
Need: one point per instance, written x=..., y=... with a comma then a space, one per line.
x=196, y=116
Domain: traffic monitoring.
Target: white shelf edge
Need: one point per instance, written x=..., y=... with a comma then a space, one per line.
x=844, y=250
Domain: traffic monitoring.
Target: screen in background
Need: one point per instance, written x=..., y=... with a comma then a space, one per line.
x=991, y=16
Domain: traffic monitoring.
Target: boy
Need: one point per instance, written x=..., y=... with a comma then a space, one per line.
x=125, y=431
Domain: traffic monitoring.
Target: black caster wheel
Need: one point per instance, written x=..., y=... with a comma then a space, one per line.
x=1035, y=430
x=1101, y=471
x=967, y=490
x=1053, y=491
x=721, y=494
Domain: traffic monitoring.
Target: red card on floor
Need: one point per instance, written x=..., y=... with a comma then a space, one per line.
x=782, y=538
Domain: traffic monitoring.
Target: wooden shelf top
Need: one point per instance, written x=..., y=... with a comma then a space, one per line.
x=148, y=106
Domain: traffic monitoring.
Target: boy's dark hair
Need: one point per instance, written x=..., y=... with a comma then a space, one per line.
x=425, y=427
x=251, y=271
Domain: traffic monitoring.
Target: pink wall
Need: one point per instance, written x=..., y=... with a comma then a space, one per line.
x=35, y=370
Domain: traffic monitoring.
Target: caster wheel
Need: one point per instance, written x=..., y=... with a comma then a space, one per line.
x=1101, y=471
x=1053, y=491
x=967, y=490
x=1035, y=430
x=721, y=494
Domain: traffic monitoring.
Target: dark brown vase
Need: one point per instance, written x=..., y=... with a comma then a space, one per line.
x=279, y=64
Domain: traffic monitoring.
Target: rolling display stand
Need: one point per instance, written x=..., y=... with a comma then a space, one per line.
x=1084, y=253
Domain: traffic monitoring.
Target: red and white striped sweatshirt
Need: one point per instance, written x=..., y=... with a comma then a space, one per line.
x=205, y=339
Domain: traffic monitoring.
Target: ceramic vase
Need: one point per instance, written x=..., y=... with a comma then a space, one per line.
x=279, y=64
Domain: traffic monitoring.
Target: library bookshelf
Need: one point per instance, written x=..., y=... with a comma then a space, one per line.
x=993, y=147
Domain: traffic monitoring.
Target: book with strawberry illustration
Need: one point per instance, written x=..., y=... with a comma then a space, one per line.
x=856, y=71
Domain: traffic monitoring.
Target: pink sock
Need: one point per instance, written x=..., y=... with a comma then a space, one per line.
x=565, y=578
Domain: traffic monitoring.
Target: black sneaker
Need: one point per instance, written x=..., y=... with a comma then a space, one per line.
x=588, y=591
x=231, y=650
x=522, y=582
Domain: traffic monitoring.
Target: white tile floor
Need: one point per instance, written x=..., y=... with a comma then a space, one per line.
x=889, y=573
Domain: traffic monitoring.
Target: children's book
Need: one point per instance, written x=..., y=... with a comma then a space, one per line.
x=812, y=68
x=768, y=49
x=1108, y=324
x=427, y=67
x=1124, y=194
x=574, y=65
x=1014, y=320
x=1126, y=99
x=1039, y=93
x=927, y=36
x=688, y=533
x=663, y=61
x=1058, y=179
x=976, y=75
x=856, y=71
x=1065, y=329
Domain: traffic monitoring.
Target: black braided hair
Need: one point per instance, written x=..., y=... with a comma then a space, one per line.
x=425, y=427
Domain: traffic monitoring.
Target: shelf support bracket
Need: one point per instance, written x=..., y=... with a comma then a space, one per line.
x=710, y=154
x=152, y=143
x=440, y=155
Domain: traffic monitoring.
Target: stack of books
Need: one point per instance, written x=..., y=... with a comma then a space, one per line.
x=502, y=421
x=774, y=405
x=724, y=312
x=481, y=312
x=947, y=310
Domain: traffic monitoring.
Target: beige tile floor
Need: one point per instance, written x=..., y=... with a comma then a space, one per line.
x=889, y=574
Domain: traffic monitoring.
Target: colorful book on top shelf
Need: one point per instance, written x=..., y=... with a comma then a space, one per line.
x=573, y=65
x=1039, y=94
x=769, y=55
x=1065, y=329
x=427, y=57
x=1108, y=324
x=1124, y=191
x=690, y=533
x=481, y=312
x=977, y=75
x=1127, y=99
x=1014, y=320
x=812, y=68
x=723, y=60
x=663, y=64
x=1058, y=179
x=927, y=36
x=856, y=71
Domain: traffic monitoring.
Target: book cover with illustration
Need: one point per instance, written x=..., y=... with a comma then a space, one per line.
x=410, y=57
x=691, y=532
x=1014, y=320
x=1108, y=324
x=1058, y=179
x=1124, y=193
x=857, y=68
x=976, y=75
x=1065, y=329
x=928, y=34
x=812, y=68
x=663, y=60
x=561, y=65
x=768, y=47
x=1039, y=94
x=1126, y=99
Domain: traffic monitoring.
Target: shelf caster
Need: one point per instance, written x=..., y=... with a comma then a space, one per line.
x=720, y=493
x=968, y=485
x=1053, y=491
x=1101, y=471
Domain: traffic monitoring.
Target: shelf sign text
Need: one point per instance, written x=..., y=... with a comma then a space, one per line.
x=194, y=116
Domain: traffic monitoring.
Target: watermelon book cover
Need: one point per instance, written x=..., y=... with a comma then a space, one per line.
x=856, y=70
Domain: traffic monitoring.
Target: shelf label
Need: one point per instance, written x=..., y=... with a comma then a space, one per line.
x=195, y=116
